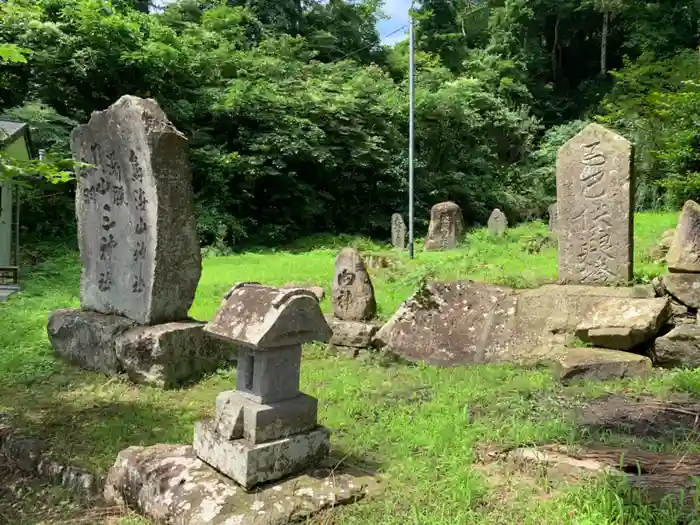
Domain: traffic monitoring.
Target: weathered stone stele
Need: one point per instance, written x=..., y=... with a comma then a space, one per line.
x=684, y=252
x=595, y=198
x=353, y=293
x=135, y=210
x=446, y=226
x=498, y=223
x=398, y=232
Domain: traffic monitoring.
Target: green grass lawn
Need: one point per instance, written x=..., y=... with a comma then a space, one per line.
x=419, y=426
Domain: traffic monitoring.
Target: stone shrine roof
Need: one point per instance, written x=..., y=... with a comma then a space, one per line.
x=10, y=129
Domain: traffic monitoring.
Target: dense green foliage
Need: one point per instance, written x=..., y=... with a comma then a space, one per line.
x=297, y=115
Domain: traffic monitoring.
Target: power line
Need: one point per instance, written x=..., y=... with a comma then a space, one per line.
x=370, y=45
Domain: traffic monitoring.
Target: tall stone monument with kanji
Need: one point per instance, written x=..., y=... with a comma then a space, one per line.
x=595, y=206
x=139, y=250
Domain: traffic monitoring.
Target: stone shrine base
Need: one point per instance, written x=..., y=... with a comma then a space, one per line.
x=250, y=464
x=166, y=355
x=169, y=484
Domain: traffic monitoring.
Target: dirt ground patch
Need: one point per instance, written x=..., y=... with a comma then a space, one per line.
x=24, y=500
x=642, y=416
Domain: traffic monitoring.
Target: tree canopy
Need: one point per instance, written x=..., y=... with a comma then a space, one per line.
x=297, y=114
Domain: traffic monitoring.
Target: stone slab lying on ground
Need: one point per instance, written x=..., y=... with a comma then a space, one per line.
x=164, y=356
x=684, y=253
x=353, y=334
x=29, y=455
x=87, y=339
x=685, y=287
x=622, y=324
x=679, y=347
x=168, y=484
x=465, y=322
x=600, y=364
x=656, y=476
x=172, y=354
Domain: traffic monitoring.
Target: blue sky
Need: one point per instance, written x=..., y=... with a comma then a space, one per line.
x=397, y=10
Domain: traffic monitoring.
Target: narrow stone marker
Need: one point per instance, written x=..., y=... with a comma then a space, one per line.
x=498, y=223
x=595, y=196
x=684, y=253
x=352, y=291
x=446, y=226
x=398, y=232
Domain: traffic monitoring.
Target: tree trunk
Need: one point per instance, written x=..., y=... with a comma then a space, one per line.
x=604, y=44
x=555, y=50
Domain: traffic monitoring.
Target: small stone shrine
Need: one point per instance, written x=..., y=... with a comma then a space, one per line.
x=264, y=435
x=498, y=223
x=595, y=200
x=398, y=232
x=266, y=429
x=140, y=253
x=446, y=226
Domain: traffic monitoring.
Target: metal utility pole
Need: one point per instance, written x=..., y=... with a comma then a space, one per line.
x=411, y=97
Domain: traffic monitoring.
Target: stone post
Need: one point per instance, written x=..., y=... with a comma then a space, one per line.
x=266, y=429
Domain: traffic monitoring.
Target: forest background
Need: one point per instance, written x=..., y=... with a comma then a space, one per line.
x=297, y=114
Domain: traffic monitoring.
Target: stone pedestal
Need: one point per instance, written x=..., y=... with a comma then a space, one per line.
x=165, y=356
x=266, y=429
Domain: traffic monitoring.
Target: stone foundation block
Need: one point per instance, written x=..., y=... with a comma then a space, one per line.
x=238, y=417
x=169, y=484
x=87, y=338
x=600, y=364
x=249, y=464
x=172, y=354
x=354, y=334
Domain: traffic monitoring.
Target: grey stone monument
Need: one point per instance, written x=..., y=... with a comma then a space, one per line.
x=398, y=232
x=140, y=253
x=353, y=293
x=446, y=226
x=498, y=223
x=135, y=208
x=266, y=429
x=595, y=200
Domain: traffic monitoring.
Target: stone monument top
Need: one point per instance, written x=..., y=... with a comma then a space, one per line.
x=260, y=317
